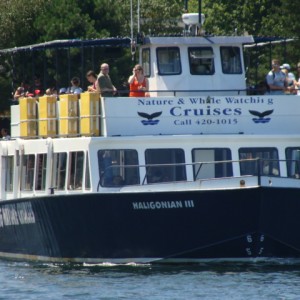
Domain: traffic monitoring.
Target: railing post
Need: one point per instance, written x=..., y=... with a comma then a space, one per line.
x=258, y=172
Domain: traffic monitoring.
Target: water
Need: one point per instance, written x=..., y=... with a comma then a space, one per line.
x=268, y=280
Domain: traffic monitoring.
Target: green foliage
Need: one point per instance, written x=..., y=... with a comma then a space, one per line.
x=16, y=21
x=33, y=21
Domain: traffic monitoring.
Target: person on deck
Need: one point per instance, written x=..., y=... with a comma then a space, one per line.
x=276, y=79
x=75, y=86
x=290, y=78
x=5, y=135
x=138, y=83
x=37, y=88
x=92, y=78
x=21, y=91
x=105, y=86
x=297, y=83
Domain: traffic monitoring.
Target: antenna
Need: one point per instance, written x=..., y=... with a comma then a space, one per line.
x=133, y=45
x=138, y=16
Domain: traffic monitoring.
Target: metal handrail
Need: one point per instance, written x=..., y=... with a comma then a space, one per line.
x=258, y=161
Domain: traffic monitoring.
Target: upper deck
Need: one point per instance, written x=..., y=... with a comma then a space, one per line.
x=197, y=86
x=123, y=116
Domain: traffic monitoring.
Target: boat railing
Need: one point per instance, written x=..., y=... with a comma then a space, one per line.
x=116, y=175
x=188, y=92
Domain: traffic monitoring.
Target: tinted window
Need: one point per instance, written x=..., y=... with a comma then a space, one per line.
x=259, y=161
x=27, y=172
x=118, y=167
x=208, y=163
x=75, y=170
x=9, y=174
x=59, y=170
x=293, y=162
x=87, y=174
x=168, y=61
x=231, y=60
x=165, y=165
x=201, y=61
x=41, y=163
x=146, y=61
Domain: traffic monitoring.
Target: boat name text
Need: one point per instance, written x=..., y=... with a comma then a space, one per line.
x=163, y=204
x=16, y=214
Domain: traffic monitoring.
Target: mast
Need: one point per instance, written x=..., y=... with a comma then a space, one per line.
x=199, y=11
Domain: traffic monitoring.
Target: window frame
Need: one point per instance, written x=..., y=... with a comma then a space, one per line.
x=217, y=166
x=253, y=164
x=159, y=63
x=200, y=59
x=231, y=48
x=117, y=170
x=159, y=173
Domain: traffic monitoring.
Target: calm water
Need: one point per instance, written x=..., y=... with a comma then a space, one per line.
x=273, y=280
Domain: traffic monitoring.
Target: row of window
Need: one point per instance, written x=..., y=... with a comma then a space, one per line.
x=67, y=171
x=118, y=167
x=121, y=167
x=201, y=60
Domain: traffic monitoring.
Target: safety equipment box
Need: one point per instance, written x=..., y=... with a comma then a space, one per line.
x=90, y=114
x=47, y=116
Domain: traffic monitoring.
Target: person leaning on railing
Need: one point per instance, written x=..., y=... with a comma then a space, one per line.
x=138, y=83
x=276, y=79
x=105, y=86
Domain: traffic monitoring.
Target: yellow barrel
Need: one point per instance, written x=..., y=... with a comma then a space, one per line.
x=68, y=114
x=47, y=116
x=90, y=114
x=28, y=113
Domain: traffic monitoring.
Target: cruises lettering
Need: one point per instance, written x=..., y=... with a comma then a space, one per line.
x=152, y=205
x=16, y=214
x=207, y=111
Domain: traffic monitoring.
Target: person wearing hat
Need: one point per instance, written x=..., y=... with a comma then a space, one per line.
x=290, y=76
x=297, y=83
x=276, y=79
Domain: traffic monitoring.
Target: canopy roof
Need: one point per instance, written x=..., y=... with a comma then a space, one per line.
x=105, y=42
x=112, y=42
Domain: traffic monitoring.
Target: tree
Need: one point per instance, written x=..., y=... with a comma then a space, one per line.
x=16, y=21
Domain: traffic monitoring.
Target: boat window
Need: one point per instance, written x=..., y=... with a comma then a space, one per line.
x=9, y=173
x=118, y=167
x=146, y=62
x=293, y=162
x=87, y=173
x=231, y=60
x=201, y=60
x=165, y=165
x=75, y=170
x=59, y=170
x=259, y=161
x=41, y=165
x=209, y=163
x=27, y=172
x=168, y=61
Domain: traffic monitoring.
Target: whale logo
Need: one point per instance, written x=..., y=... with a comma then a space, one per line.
x=150, y=118
x=261, y=116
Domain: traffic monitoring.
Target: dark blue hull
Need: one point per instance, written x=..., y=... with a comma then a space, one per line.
x=148, y=227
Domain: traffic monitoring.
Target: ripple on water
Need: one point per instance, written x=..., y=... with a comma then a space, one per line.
x=277, y=279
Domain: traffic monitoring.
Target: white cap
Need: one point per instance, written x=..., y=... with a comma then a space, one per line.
x=62, y=90
x=285, y=66
x=78, y=91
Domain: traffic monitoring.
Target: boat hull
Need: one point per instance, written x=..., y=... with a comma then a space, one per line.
x=153, y=226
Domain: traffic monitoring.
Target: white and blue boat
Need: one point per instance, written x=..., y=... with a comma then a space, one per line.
x=198, y=171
